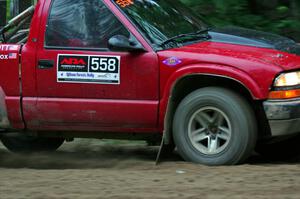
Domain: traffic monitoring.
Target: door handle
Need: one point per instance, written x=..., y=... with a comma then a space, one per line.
x=45, y=64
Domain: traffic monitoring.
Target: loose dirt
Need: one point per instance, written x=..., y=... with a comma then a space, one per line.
x=126, y=170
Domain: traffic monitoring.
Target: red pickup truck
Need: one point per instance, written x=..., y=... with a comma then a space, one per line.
x=150, y=70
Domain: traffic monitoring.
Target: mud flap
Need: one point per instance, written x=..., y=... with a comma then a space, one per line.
x=159, y=151
x=162, y=149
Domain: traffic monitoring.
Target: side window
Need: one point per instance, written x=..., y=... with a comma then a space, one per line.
x=81, y=24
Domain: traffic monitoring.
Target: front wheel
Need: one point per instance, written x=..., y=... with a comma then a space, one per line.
x=29, y=144
x=214, y=126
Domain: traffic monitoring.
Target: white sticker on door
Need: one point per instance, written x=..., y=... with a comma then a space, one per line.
x=96, y=69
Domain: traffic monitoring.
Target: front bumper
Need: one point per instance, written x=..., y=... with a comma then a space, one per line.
x=283, y=116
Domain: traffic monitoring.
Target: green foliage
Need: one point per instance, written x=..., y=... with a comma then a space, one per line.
x=7, y=10
x=276, y=16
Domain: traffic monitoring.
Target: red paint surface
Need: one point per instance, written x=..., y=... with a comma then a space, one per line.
x=96, y=114
x=14, y=112
x=139, y=103
x=9, y=70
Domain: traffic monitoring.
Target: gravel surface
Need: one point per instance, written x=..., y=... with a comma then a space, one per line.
x=110, y=169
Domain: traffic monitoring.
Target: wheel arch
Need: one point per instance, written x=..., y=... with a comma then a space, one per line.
x=191, y=82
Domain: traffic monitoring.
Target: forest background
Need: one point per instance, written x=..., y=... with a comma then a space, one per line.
x=277, y=16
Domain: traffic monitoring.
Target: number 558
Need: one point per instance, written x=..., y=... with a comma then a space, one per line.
x=103, y=64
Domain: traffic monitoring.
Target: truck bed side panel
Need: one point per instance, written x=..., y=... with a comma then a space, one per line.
x=10, y=85
x=9, y=69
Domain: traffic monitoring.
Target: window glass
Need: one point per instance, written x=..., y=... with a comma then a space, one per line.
x=81, y=24
x=162, y=19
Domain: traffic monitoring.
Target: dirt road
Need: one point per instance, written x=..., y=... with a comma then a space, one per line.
x=97, y=169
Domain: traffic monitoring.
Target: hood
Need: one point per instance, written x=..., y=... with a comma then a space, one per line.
x=247, y=37
x=246, y=56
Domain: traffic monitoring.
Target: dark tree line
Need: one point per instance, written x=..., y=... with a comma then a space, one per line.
x=278, y=16
x=2, y=13
x=9, y=8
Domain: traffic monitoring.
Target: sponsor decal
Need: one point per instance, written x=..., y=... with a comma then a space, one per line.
x=88, y=69
x=124, y=3
x=9, y=56
x=12, y=55
x=73, y=61
x=2, y=57
x=172, y=61
x=8, y=47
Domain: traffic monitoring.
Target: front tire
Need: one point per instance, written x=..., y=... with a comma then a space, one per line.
x=214, y=126
x=28, y=144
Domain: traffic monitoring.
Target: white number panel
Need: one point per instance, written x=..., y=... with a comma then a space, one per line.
x=88, y=69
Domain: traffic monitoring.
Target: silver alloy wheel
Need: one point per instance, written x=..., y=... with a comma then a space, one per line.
x=209, y=130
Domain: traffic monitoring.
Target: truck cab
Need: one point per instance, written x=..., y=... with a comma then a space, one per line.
x=148, y=70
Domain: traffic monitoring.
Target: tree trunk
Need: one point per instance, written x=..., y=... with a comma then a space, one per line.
x=2, y=13
x=295, y=7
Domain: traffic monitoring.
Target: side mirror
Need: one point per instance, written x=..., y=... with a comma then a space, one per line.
x=123, y=44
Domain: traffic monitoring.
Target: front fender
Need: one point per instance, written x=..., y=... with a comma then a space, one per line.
x=257, y=90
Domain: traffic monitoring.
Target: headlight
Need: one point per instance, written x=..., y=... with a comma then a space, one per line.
x=288, y=79
x=287, y=86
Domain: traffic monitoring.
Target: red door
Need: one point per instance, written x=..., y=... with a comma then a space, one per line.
x=81, y=84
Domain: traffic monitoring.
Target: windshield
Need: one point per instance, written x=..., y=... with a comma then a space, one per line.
x=161, y=20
